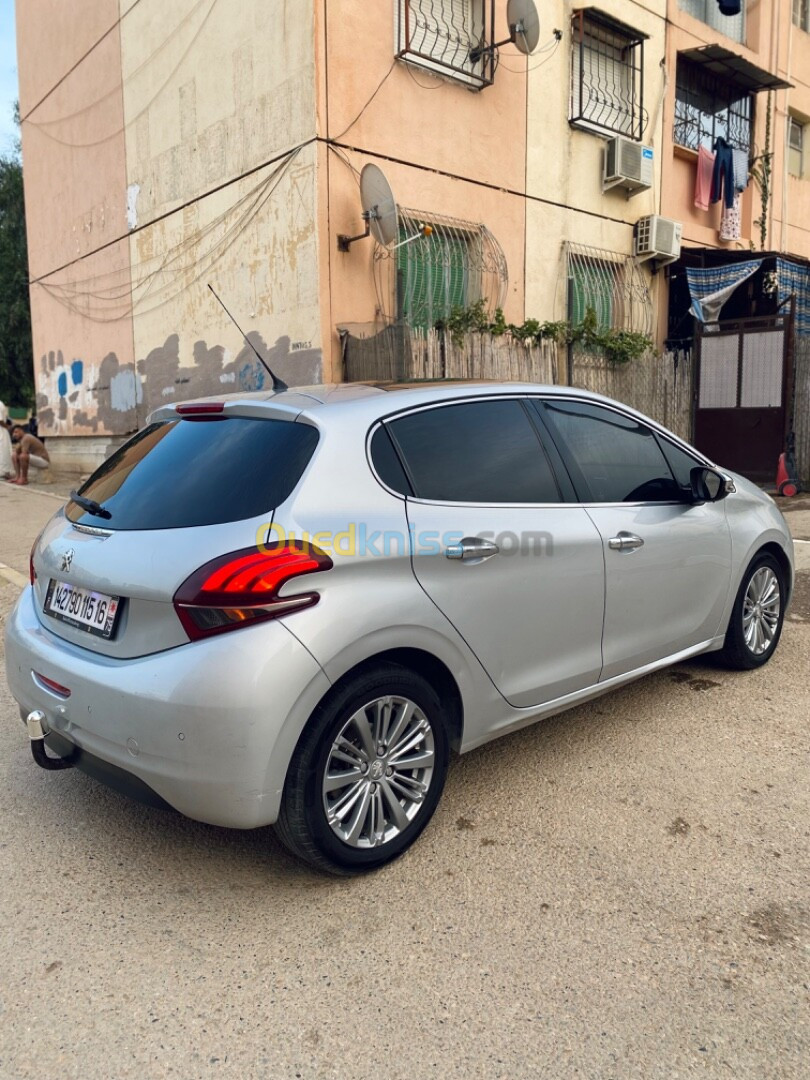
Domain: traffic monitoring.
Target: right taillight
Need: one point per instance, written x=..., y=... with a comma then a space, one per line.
x=242, y=588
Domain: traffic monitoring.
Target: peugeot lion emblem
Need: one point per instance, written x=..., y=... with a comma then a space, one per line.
x=67, y=559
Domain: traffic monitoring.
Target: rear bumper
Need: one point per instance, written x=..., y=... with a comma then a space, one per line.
x=208, y=728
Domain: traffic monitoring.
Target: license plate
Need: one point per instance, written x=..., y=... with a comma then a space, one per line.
x=86, y=610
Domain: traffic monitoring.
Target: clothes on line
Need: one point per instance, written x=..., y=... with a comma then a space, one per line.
x=703, y=179
x=723, y=173
x=731, y=221
x=740, y=169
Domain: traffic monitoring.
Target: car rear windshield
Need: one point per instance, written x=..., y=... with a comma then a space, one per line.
x=200, y=471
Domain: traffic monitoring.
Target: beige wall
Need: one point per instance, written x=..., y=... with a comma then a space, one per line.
x=212, y=92
x=564, y=164
x=159, y=163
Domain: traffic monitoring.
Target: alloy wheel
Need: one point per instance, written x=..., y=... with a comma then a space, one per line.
x=761, y=610
x=378, y=772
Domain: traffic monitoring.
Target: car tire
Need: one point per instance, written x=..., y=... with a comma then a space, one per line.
x=367, y=773
x=756, y=620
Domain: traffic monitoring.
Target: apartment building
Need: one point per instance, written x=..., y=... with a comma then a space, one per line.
x=167, y=148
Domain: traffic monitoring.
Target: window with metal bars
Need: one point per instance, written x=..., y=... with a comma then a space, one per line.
x=708, y=106
x=436, y=274
x=801, y=14
x=610, y=285
x=708, y=11
x=444, y=36
x=607, y=75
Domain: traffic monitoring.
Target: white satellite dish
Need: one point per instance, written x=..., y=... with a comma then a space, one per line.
x=524, y=29
x=380, y=211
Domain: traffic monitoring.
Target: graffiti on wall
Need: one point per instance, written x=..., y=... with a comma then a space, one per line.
x=77, y=397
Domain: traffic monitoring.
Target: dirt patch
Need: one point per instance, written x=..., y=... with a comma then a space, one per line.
x=778, y=924
x=692, y=681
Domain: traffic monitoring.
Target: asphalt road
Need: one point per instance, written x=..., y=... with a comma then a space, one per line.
x=620, y=892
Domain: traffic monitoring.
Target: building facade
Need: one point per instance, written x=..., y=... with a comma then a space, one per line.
x=167, y=148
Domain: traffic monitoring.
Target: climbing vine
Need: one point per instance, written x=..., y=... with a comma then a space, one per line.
x=761, y=173
x=617, y=346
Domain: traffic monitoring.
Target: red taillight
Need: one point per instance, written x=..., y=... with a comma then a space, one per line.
x=200, y=408
x=54, y=687
x=242, y=588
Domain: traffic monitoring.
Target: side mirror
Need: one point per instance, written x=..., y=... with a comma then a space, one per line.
x=708, y=485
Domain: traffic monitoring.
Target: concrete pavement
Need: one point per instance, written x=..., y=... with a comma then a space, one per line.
x=619, y=892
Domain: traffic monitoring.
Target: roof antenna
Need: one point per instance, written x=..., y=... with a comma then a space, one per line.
x=278, y=384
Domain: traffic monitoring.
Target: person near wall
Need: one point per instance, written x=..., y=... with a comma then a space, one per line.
x=28, y=452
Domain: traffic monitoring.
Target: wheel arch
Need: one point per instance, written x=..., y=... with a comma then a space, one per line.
x=431, y=668
x=778, y=552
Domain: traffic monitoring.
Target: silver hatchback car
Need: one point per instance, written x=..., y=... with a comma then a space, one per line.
x=288, y=607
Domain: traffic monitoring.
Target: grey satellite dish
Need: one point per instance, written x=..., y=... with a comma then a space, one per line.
x=380, y=211
x=524, y=24
x=524, y=30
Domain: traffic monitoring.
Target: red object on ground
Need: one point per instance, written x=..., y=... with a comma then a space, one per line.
x=785, y=483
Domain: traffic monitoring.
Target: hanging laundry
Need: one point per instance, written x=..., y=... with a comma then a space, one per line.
x=731, y=221
x=703, y=179
x=740, y=169
x=723, y=174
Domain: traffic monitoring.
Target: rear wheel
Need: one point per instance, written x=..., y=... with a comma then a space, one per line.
x=367, y=773
x=756, y=621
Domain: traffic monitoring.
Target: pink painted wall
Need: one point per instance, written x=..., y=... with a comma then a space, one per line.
x=445, y=150
x=75, y=192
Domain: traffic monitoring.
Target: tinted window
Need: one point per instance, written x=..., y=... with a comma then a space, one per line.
x=679, y=462
x=184, y=473
x=386, y=462
x=479, y=452
x=618, y=458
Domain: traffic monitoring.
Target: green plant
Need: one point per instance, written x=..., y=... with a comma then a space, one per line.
x=617, y=346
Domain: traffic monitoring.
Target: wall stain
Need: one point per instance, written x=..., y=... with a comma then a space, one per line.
x=114, y=399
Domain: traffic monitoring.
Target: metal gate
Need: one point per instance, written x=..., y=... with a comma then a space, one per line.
x=742, y=393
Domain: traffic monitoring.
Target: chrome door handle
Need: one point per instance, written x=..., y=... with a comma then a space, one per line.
x=625, y=541
x=471, y=547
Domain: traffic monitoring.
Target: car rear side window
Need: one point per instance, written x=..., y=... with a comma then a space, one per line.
x=386, y=461
x=618, y=458
x=475, y=452
x=191, y=472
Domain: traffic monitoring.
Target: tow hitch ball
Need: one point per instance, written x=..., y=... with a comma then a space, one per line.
x=37, y=730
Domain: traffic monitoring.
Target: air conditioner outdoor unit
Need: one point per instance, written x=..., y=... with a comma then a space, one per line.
x=657, y=238
x=628, y=165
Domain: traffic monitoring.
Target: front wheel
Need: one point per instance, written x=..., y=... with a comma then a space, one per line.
x=756, y=621
x=367, y=773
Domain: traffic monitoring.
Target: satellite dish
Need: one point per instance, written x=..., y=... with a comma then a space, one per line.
x=524, y=30
x=380, y=211
x=524, y=25
x=379, y=206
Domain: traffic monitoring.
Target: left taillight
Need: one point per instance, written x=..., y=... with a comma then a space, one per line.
x=242, y=588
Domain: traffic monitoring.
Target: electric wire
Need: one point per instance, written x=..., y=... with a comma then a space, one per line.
x=121, y=82
x=379, y=87
x=203, y=263
x=133, y=119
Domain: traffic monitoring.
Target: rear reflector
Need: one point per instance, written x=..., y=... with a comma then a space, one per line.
x=50, y=684
x=200, y=408
x=242, y=588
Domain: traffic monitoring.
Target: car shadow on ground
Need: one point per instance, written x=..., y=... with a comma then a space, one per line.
x=143, y=843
